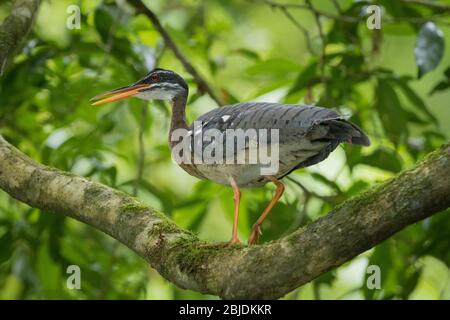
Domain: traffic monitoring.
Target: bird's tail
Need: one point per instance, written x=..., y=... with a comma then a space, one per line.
x=345, y=131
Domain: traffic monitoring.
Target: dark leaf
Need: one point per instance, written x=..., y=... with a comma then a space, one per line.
x=304, y=79
x=103, y=21
x=247, y=53
x=391, y=113
x=447, y=72
x=6, y=248
x=441, y=86
x=414, y=98
x=385, y=159
x=429, y=48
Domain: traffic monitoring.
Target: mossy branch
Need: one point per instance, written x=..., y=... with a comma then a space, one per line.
x=15, y=27
x=263, y=271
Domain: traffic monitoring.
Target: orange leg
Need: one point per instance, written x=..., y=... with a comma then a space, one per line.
x=237, y=200
x=256, y=230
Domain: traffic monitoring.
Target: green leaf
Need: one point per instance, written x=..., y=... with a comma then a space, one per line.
x=395, y=8
x=392, y=115
x=6, y=248
x=228, y=97
x=333, y=185
x=383, y=257
x=429, y=48
x=278, y=68
x=326, y=278
x=447, y=73
x=282, y=216
x=444, y=84
x=357, y=187
x=103, y=21
x=414, y=98
x=414, y=118
x=304, y=78
x=385, y=159
x=441, y=86
x=247, y=53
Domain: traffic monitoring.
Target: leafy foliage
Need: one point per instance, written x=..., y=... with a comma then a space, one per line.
x=247, y=50
x=429, y=48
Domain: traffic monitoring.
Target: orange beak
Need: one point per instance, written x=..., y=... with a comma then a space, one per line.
x=118, y=94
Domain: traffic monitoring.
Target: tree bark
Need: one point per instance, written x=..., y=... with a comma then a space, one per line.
x=15, y=27
x=262, y=271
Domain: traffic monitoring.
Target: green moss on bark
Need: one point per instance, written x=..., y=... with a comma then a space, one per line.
x=134, y=207
x=15, y=27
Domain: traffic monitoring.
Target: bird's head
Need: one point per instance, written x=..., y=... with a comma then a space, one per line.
x=159, y=84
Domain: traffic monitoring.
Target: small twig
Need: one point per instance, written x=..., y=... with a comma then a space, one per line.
x=309, y=193
x=418, y=20
x=316, y=11
x=430, y=4
x=203, y=86
x=296, y=23
x=346, y=18
x=337, y=6
x=323, y=40
x=160, y=54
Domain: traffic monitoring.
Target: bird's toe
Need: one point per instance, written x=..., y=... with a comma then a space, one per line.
x=254, y=236
x=234, y=241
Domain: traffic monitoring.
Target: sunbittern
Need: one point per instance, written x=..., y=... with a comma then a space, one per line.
x=306, y=136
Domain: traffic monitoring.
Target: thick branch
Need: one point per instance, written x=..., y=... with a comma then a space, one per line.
x=265, y=271
x=15, y=27
x=203, y=86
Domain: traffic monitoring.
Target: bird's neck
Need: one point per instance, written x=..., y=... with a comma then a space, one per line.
x=178, y=120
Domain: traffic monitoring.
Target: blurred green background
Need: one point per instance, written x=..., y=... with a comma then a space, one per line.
x=247, y=51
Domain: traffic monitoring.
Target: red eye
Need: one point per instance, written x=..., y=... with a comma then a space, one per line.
x=154, y=77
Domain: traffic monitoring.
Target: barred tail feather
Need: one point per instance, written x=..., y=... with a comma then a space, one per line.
x=344, y=131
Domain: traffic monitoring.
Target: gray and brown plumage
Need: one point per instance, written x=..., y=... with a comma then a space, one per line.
x=307, y=135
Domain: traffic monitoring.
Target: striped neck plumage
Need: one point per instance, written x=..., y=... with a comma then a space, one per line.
x=178, y=120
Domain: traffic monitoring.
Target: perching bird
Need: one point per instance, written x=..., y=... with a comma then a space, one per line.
x=306, y=136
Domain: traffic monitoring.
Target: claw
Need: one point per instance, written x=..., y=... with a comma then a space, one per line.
x=234, y=241
x=254, y=237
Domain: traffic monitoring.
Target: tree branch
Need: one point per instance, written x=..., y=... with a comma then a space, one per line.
x=352, y=19
x=202, y=84
x=15, y=27
x=323, y=40
x=329, y=15
x=430, y=4
x=294, y=21
x=264, y=271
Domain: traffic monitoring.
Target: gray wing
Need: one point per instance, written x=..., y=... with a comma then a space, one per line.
x=307, y=134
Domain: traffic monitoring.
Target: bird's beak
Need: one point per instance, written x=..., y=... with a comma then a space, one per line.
x=118, y=94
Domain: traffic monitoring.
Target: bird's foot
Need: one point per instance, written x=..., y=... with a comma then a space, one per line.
x=254, y=236
x=234, y=241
